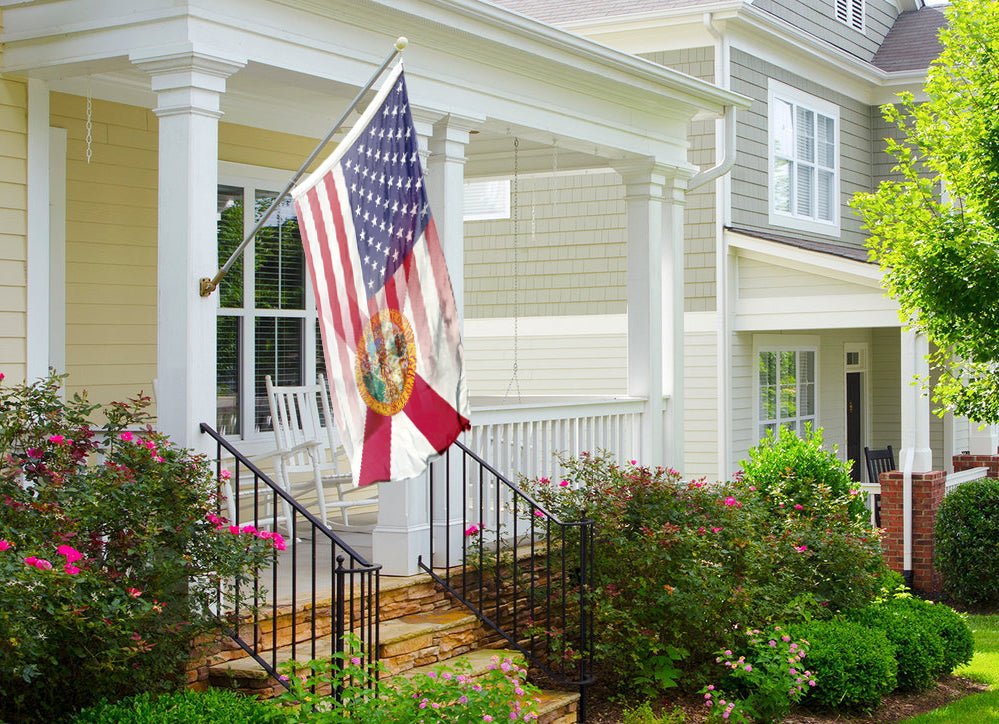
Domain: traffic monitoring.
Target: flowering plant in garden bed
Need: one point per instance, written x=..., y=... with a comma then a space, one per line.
x=763, y=683
x=110, y=552
x=447, y=694
x=682, y=562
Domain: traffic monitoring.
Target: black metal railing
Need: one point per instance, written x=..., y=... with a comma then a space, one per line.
x=520, y=569
x=314, y=592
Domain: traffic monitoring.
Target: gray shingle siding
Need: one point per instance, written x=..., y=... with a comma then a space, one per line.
x=818, y=18
x=750, y=188
x=700, y=211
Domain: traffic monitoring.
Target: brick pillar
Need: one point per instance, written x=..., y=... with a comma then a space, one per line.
x=927, y=493
x=966, y=462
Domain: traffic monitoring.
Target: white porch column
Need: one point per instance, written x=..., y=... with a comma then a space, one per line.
x=446, y=187
x=654, y=194
x=188, y=86
x=915, y=454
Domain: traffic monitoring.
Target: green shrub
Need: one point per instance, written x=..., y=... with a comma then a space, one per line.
x=680, y=565
x=214, y=706
x=967, y=543
x=109, y=556
x=919, y=648
x=953, y=630
x=854, y=665
x=789, y=470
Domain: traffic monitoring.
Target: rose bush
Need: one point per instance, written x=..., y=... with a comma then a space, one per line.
x=112, y=553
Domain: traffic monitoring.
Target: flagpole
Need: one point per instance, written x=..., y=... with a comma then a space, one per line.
x=206, y=285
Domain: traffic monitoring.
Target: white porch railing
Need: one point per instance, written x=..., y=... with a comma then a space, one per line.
x=522, y=438
x=956, y=479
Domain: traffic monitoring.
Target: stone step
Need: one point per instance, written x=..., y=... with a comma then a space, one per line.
x=558, y=707
x=480, y=661
x=404, y=643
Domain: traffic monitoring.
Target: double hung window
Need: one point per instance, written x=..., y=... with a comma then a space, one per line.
x=786, y=389
x=804, y=167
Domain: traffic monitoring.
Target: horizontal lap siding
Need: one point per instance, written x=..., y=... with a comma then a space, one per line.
x=554, y=364
x=818, y=18
x=886, y=389
x=111, y=212
x=13, y=223
x=700, y=415
x=750, y=190
x=759, y=280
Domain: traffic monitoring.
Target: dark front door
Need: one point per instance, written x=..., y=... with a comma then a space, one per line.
x=853, y=432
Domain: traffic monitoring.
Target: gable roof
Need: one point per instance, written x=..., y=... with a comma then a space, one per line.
x=912, y=42
x=845, y=251
x=560, y=11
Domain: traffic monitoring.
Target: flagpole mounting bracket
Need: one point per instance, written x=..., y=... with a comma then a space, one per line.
x=206, y=286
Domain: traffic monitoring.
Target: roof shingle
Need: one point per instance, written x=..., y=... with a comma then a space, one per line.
x=912, y=42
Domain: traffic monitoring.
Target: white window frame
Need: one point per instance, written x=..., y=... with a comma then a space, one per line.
x=791, y=219
x=487, y=212
x=783, y=343
x=852, y=13
x=252, y=179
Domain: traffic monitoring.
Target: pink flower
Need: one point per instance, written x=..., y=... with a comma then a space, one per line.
x=801, y=549
x=539, y=513
x=278, y=541
x=56, y=439
x=355, y=660
x=486, y=717
x=42, y=564
x=248, y=529
x=126, y=436
x=563, y=483
x=749, y=667
x=799, y=506
x=4, y=545
x=715, y=529
x=133, y=592
x=472, y=529
x=264, y=534
x=752, y=488
x=234, y=529
x=71, y=569
x=34, y=452
x=30, y=560
x=157, y=458
x=70, y=553
x=2, y=375
x=225, y=474
x=730, y=501
x=632, y=462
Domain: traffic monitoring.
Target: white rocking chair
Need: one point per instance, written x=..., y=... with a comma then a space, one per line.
x=308, y=448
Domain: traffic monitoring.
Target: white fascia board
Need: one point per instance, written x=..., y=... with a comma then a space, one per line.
x=581, y=325
x=805, y=260
x=825, y=319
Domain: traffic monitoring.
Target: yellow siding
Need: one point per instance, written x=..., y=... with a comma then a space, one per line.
x=111, y=216
x=13, y=222
x=700, y=414
x=110, y=247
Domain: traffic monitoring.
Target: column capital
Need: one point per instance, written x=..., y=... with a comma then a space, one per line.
x=186, y=80
x=649, y=178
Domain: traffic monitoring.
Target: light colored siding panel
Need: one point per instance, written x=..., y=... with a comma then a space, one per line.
x=700, y=422
x=760, y=280
x=819, y=19
x=886, y=389
x=13, y=224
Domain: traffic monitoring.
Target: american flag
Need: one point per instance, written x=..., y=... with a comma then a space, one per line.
x=389, y=325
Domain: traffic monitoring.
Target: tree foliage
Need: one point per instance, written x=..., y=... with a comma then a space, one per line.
x=935, y=227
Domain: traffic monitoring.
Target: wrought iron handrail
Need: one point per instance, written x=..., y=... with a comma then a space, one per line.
x=353, y=603
x=514, y=564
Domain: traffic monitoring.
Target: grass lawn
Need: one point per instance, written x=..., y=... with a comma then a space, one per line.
x=984, y=668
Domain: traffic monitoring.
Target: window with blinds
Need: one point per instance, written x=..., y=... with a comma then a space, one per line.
x=265, y=309
x=804, y=161
x=851, y=12
x=786, y=389
x=486, y=200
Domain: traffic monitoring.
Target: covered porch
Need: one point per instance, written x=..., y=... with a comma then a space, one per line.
x=155, y=135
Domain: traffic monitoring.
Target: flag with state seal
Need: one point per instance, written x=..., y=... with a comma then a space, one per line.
x=387, y=314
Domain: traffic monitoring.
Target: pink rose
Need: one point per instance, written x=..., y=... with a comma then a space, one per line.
x=71, y=569
x=56, y=439
x=4, y=545
x=563, y=484
x=71, y=554
x=126, y=436
x=472, y=529
x=133, y=592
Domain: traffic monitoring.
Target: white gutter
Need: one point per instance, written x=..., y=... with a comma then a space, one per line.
x=728, y=159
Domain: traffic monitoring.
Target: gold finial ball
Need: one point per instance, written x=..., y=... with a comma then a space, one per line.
x=401, y=42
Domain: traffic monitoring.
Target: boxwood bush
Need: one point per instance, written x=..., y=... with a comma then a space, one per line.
x=967, y=543
x=854, y=665
x=919, y=647
x=953, y=630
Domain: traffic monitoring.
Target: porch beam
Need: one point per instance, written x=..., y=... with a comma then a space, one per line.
x=188, y=87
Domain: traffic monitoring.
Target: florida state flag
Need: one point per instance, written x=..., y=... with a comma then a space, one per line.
x=386, y=309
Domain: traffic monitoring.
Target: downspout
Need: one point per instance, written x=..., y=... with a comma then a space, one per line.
x=907, y=465
x=725, y=138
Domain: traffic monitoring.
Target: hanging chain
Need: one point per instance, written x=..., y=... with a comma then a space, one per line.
x=90, y=123
x=514, y=380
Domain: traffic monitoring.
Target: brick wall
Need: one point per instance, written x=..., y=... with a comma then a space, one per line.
x=927, y=493
x=966, y=462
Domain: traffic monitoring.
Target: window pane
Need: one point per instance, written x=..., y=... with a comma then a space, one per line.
x=806, y=400
x=278, y=347
x=783, y=125
x=826, y=195
x=827, y=142
x=279, y=258
x=805, y=190
x=806, y=366
x=783, y=173
x=805, y=134
x=230, y=234
x=788, y=401
x=227, y=376
x=768, y=368
x=768, y=403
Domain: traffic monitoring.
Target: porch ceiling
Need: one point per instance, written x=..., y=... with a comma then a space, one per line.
x=304, y=60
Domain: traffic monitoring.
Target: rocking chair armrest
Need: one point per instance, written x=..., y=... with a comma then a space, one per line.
x=307, y=446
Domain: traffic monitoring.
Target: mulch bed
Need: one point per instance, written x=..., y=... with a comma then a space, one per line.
x=895, y=707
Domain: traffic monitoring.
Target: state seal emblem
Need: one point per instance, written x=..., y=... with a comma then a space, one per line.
x=385, y=368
